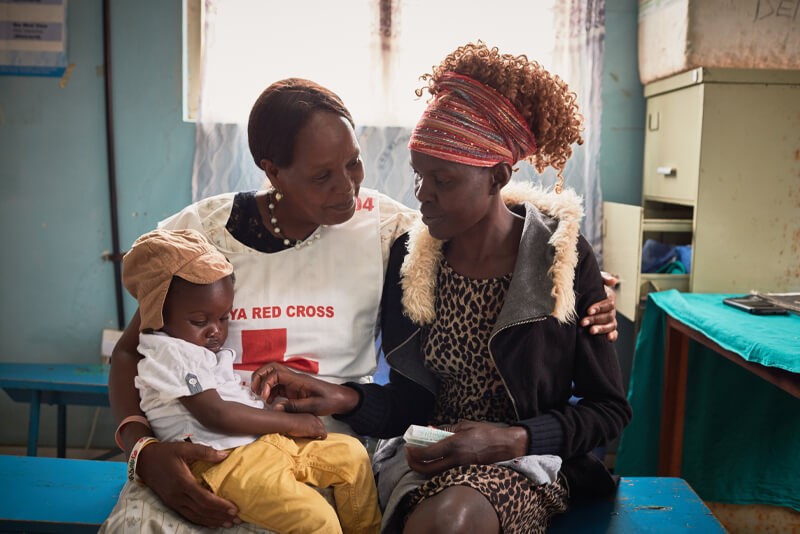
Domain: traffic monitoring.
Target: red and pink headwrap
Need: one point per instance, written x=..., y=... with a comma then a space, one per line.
x=471, y=123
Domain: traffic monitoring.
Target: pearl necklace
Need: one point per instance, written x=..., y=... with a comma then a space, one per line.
x=273, y=197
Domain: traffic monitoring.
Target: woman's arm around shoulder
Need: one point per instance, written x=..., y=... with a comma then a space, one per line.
x=601, y=317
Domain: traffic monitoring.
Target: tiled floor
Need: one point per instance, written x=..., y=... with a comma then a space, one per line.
x=756, y=518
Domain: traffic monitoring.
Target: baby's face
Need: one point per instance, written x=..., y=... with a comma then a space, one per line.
x=199, y=313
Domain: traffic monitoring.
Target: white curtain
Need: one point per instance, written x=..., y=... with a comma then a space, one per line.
x=222, y=161
x=406, y=37
x=578, y=58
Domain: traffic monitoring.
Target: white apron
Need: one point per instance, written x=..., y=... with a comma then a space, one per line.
x=314, y=309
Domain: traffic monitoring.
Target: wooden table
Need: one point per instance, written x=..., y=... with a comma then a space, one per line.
x=59, y=384
x=673, y=407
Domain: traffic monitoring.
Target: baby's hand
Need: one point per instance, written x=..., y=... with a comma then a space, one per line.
x=305, y=425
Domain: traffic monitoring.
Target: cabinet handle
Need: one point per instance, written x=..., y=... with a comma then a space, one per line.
x=666, y=171
x=653, y=121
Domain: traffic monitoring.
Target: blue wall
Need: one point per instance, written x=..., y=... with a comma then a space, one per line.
x=57, y=293
x=622, y=131
x=622, y=124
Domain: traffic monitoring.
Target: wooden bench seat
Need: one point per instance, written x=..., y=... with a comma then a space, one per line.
x=642, y=504
x=43, y=494
x=66, y=495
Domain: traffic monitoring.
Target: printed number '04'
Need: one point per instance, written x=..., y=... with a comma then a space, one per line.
x=366, y=204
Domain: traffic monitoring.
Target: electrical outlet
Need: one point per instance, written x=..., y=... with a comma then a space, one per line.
x=110, y=338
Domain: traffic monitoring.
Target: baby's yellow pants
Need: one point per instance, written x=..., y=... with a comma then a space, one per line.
x=269, y=480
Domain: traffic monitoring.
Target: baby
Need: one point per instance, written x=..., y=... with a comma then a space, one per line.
x=189, y=391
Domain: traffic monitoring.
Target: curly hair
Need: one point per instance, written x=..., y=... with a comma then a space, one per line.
x=543, y=99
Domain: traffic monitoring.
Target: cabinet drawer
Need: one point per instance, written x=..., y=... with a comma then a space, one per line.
x=672, y=145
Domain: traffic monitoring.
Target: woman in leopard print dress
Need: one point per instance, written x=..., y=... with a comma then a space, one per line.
x=478, y=317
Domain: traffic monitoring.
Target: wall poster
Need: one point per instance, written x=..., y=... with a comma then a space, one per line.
x=33, y=37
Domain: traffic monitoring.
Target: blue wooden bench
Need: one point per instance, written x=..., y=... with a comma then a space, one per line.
x=67, y=495
x=57, y=494
x=54, y=383
x=642, y=504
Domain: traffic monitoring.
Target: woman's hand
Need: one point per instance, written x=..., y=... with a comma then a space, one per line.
x=472, y=443
x=164, y=468
x=300, y=393
x=602, y=316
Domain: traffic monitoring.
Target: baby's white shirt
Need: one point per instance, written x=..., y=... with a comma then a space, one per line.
x=171, y=369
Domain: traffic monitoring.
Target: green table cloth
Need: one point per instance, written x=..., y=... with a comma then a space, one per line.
x=742, y=434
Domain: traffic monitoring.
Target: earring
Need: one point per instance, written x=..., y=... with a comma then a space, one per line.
x=278, y=196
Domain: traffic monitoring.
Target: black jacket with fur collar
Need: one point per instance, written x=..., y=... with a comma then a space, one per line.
x=543, y=356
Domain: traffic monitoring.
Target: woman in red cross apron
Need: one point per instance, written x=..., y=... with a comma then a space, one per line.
x=309, y=254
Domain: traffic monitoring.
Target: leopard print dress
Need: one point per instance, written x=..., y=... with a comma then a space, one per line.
x=456, y=350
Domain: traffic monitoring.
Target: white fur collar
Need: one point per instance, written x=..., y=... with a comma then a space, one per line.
x=420, y=266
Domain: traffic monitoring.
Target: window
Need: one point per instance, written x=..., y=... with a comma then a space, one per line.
x=370, y=52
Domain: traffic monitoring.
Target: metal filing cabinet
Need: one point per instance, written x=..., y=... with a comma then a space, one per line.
x=722, y=173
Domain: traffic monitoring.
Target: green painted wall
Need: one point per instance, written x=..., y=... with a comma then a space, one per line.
x=57, y=293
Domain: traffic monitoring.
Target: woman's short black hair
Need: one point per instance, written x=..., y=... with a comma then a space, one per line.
x=281, y=111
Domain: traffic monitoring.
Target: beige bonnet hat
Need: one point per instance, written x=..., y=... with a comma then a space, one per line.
x=157, y=256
